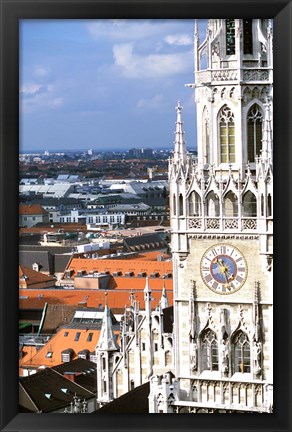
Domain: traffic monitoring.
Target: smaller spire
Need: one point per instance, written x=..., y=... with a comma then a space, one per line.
x=164, y=300
x=179, y=143
x=107, y=339
x=147, y=289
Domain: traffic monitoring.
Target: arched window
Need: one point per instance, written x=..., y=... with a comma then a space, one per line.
x=213, y=209
x=209, y=347
x=174, y=204
x=269, y=209
x=180, y=205
x=227, y=135
x=254, y=132
x=249, y=204
x=247, y=36
x=241, y=352
x=230, y=205
x=194, y=204
x=206, y=135
x=230, y=36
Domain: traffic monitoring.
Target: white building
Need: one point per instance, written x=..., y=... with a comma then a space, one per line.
x=221, y=210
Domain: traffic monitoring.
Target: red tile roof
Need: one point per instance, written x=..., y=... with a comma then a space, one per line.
x=30, y=298
x=59, y=343
x=31, y=209
x=115, y=265
x=29, y=278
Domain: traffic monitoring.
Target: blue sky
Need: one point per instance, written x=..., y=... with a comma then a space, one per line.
x=105, y=84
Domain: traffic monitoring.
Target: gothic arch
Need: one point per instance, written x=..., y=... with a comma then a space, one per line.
x=255, y=93
x=230, y=205
x=232, y=92
x=254, y=127
x=195, y=204
x=212, y=205
x=246, y=94
x=249, y=205
x=226, y=134
x=240, y=352
x=209, y=350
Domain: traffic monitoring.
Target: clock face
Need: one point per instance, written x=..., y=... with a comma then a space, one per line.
x=223, y=268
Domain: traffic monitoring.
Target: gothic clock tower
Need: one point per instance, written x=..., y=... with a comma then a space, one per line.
x=222, y=226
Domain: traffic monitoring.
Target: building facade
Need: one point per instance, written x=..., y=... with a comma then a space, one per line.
x=221, y=209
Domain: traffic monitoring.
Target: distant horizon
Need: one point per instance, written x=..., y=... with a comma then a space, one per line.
x=109, y=150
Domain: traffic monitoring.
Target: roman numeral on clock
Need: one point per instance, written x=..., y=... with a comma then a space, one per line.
x=208, y=278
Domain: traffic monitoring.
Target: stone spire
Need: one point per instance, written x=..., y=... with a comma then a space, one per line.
x=179, y=143
x=267, y=151
x=164, y=300
x=107, y=340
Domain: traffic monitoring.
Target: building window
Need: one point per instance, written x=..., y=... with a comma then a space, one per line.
x=254, y=132
x=230, y=36
x=241, y=353
x=65, y=357
x=180, y=205
x=66, y=334
x=89, y=337
x=269, y=212
x=103, y=363
x=156, y=347
x=247, y=36
x=174, y=204
x=49, y=354
x=227, y=135
x=143, y=346
x=209, y=351
x=77, y=336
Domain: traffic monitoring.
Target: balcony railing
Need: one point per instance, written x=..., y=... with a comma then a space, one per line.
x=246, y=74
x=229, y=224
x=232, y=395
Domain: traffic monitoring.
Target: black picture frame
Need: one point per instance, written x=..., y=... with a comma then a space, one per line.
x=11, y=12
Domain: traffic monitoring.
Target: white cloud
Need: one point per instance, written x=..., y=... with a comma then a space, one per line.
x=134, y=65
x=124, y=29
x=57, y=102
x=179, y=39
x=30, y=89
x=152, y=103
x=41, y=71
x=34, y=96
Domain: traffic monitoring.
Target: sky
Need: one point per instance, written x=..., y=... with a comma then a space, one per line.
x=105, y=84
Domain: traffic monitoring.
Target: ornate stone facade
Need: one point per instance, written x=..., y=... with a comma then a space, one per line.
x=221, y=207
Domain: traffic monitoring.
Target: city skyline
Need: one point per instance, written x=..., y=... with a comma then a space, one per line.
x=99, y=83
